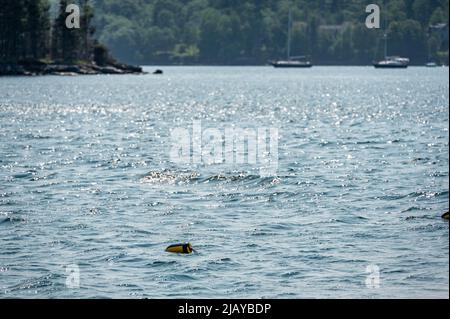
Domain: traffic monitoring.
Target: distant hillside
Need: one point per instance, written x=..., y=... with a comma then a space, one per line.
x=252, y=32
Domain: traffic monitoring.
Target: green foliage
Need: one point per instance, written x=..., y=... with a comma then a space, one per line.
x=222, y=31
x=28, y=33
x=253, y=31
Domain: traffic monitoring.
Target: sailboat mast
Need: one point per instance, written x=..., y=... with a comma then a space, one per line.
x=385, y=31
x=289, y=35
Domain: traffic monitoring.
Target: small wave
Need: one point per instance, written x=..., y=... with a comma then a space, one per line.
x=12, y=219
x=187, y=177
x=160, y=263
x=430, y=227
x=366, y=142
x=419, y=217
x=438, y=174
x=428, y=194
x=170, y=177
x=4, y=195
x=225, y=260
x=230, y=178
x=262, y=233
x=290, y=274
x=392, y=197
x=420, y=159
x=414, y=195
x=34, y=283
x=115, y=257
x=352, y=219
x=181, y=277
x=25, y=174
x=76, y=227
x=35, y=136
x=414, y=208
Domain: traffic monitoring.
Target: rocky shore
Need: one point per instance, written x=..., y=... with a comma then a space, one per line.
x=35, y=67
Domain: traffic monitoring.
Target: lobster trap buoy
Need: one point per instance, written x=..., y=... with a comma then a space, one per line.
x=185, y=248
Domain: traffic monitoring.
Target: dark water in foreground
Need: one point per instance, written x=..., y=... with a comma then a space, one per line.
x=86, y=180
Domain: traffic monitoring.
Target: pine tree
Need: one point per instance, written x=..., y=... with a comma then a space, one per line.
x=12, y=30
x=27, y=33
x=65, y=41
x=87, y=30
x=37, y=28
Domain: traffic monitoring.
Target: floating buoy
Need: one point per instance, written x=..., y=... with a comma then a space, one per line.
x=445, y=216
x=180, y=248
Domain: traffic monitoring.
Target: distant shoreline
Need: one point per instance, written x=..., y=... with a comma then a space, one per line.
x=61, y=69
x=268, y=65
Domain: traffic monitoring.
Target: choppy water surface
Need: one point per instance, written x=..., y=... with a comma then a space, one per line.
x=86, y=179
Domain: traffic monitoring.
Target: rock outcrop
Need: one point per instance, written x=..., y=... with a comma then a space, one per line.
x=35, y=67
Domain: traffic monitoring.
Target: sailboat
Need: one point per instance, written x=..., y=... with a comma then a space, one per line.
x=291, y=61
x=390, y=62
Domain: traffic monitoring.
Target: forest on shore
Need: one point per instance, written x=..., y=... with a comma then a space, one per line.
x=35, y=39
x=254, y=31
x=27, y=30
x=220, y=32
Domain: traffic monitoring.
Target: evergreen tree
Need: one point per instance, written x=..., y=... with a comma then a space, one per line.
x=37, y=28
x=12, y=30
x=87, y=30
x=66, y=41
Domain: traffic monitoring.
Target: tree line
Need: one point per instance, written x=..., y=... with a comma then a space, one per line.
x=254, y=31
x=221, y=31
x=30, y=31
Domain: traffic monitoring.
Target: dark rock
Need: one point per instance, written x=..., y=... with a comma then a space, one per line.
x=58, y=68
x=12, y=69
x=158, y=72
x=110, y=70
x=127, y=68
x=35, y=67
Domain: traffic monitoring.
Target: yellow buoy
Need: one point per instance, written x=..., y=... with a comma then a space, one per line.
x=445, y=216
x=180, y=248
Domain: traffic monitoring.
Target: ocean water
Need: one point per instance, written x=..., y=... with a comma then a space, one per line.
x=90, y=198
